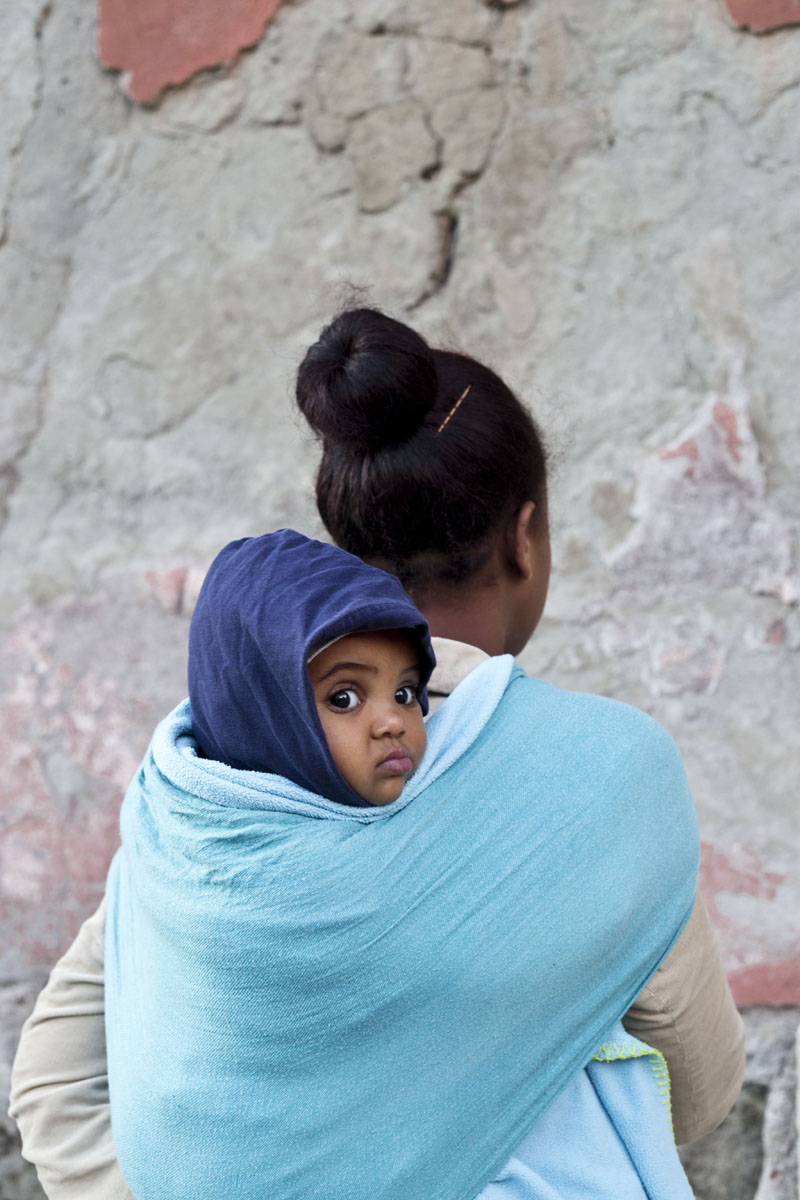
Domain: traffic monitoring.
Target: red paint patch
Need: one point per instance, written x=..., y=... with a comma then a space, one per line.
x=726, y=419
x=744, y=876
x=168, y=587
x=88, y=850
x=776, y=633
x=767, y=983
x=720, y=874
x=687, y=449
x=763, y=15
x=71, y=738
x=163, y=42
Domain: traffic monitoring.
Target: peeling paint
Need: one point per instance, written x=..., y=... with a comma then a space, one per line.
x=761, y=16
x=711, y=527
x=83, y=682
x=158, y=43
x=726, y=419
x=745, y=897
x=776, y=633
x=168, y=587
x=686, y=656
x=772, y=983
x=26, y=869
x=740, y=869
x=687, y=449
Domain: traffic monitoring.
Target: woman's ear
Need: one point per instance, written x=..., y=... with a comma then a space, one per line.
x=523, y=552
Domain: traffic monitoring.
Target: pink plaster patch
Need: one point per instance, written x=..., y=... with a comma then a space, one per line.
x=30, y=860
x=704, y=523
x=168, y=587
x=725, y=417
x=163, y=42
x=687, y=449
x=747, y=874
x=83, y=682
x=744, y=903
x=763, y=15
x=767, y=983
x=740, y=872
x=776, y=633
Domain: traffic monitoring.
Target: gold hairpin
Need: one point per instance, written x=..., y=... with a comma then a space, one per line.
x=453, y=409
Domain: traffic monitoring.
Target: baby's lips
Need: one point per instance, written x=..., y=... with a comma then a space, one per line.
x=397, y=761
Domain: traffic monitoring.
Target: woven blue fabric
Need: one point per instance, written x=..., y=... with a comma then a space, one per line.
x=266, y=605
x=318, y=1002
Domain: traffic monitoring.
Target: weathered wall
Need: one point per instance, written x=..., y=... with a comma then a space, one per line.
x=601, y=200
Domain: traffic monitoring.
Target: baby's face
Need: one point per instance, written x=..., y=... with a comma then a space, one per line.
x=365, y=686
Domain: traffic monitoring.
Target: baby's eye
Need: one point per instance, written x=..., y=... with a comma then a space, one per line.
x=344, y=700
x=406, y=694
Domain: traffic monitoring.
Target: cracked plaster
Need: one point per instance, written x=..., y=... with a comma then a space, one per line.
x=19, y=70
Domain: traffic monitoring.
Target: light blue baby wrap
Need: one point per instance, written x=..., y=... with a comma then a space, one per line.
x=608, y=1136
x=306, y=1001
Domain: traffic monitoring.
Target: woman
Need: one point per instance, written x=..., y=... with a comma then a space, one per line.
x=432, y=470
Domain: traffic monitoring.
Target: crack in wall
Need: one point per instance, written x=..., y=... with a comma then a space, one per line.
x=33, y=374
x=443, y=265
x=16, y=149
x=449, y=217
x=9, y=482
x=10, y=471
x=381, y=29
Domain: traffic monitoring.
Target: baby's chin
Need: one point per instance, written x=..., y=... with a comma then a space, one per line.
x=388, y=791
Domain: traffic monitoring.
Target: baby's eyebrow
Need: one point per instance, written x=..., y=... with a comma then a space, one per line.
x=348, y=666
x=360, y=666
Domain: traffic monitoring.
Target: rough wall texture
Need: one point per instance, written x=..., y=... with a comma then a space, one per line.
x=600, y=200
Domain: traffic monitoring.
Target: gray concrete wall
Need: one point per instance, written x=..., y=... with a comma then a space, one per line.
x=599, y=200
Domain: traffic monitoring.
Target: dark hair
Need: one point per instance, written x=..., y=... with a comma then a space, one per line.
x=400, y=484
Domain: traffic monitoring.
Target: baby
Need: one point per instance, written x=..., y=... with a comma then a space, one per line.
x=307, y=690
x=307, y=663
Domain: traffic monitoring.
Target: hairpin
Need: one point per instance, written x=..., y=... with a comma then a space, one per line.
x=453, y=409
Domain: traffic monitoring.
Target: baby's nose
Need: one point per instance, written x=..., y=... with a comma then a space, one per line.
x=389, y=719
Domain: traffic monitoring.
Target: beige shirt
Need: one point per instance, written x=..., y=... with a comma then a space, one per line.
x=59, y=1093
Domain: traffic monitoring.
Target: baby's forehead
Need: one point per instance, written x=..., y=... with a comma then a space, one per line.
x=390, y=648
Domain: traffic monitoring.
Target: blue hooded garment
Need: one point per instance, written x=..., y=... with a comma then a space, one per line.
x=309, y=999
x=266, y=606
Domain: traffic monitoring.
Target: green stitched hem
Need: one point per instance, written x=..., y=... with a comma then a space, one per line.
x=633, y=1048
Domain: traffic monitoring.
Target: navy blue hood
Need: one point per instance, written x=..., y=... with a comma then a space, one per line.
x=266, y=606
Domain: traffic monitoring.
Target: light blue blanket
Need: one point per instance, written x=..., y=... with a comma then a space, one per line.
x=312, y=1002
x=608, y=1136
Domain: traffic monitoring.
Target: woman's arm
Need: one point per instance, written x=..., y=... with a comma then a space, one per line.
x=687, y=1012
x=59, y=1088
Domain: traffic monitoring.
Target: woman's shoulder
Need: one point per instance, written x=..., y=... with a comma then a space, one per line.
x=603, y=724
x=596, y=754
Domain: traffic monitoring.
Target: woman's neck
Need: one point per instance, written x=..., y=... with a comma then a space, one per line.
x=471, y=615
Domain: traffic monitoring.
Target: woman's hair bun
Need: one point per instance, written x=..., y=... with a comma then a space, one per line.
x=368, y=382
